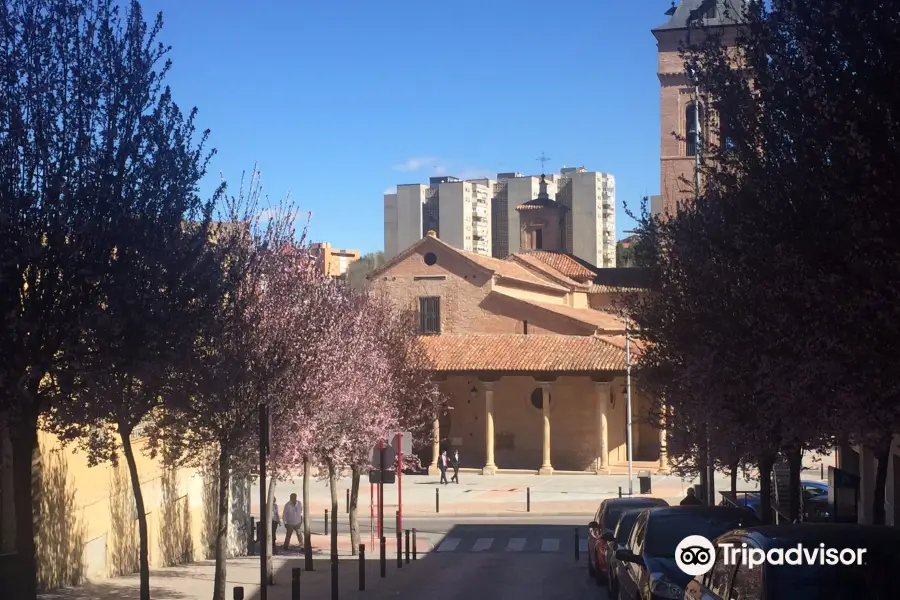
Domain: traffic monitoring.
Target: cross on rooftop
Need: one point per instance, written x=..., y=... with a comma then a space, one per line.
x=543, y=159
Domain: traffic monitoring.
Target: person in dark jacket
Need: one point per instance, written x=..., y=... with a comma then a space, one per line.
x=691, y=499
x=443, y=465
x=454, y=462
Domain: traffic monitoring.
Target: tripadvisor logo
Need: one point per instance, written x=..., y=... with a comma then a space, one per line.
x=695, y=555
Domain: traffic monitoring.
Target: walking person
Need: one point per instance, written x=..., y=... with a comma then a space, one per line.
x=293, y=519
x=691, y=499
x=443, y=465
x=454, y=462
x=276, y=519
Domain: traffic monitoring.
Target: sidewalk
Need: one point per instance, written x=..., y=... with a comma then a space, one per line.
x=497, y=495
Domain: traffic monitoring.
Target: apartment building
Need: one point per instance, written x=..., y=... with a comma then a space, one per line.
x=459, y=211
x=481, y=216
x=333, y=261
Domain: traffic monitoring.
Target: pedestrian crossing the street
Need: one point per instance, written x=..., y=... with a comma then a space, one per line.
x=516, y=544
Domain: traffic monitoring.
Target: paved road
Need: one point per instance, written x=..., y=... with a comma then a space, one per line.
x=528, y=559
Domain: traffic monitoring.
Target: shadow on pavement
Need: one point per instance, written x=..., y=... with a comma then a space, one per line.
x=523, y=565
x=114, y=590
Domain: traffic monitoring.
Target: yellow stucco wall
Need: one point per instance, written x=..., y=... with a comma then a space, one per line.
x=85, y=519
x=518, y=424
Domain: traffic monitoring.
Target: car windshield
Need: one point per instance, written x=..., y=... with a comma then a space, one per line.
x=624, y=527
x=874, y=580
x=664, y=532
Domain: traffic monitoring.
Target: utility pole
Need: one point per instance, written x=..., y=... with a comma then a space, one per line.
x=264, y=521
x=628, y=407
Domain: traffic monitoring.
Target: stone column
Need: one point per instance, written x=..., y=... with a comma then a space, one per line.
x=602, y=390
x=435, y=445
x=546, y=466
x=489, y=467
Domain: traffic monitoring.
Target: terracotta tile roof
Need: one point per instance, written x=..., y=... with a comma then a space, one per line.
x=536, y=353
x=564, y=263
x=501, y=268
x=510, y=270
x=536, y=264
x=597, y=288
x=602, y=320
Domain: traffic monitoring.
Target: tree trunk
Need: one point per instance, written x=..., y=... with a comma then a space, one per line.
x=24, y=439
x=307, y=535
x=765, y=462
x=332, y=483
x=354, y=514
x=270, y=502
x=795, y=462
x=222, y=523
x=734, y=474
x=883, y=456
x=7, y=491
x=143, y=552
x=704, y=471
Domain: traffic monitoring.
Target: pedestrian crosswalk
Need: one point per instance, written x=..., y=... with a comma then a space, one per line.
x=516, y=544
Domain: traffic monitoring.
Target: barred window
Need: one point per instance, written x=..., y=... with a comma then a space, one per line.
x=430, y=314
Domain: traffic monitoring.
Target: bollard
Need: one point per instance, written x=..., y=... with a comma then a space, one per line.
x=326, y=521
x=620, y=491
x=295, y=583
x=239, y=593
x=383, y=556
x=251, y=543
x=414, y=543
x=576, y=544
x=822, y=471
x=407, y=546
x=399, y=549
x=528, y=499
x=348, y=502
x=437, y=500
x=362, y=567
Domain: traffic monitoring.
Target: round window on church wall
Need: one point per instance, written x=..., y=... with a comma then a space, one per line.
x=537, y=398
x=430, y=258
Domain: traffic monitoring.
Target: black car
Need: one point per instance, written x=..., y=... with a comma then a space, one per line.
x=614, y=541
x=605, y=521
x=875, y=579
x=646, y=568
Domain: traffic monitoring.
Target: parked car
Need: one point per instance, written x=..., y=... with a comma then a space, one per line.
x=615, y=540
x=815, y=501
x=605, y=521
x=873, y=580
x=646, y=568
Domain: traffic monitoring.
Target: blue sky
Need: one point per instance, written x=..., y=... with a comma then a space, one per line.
x=339, y=100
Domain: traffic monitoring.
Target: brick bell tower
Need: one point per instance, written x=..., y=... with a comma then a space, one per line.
x=681, y=128
x=542, y=222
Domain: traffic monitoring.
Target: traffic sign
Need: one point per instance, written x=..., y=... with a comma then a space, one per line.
x=375, y=456
x=405, y=443
x=376, y=476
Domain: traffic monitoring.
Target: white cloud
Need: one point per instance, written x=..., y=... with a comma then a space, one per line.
x=475, y=173
x=391, y=190
x=268, y=213
x=418, y=163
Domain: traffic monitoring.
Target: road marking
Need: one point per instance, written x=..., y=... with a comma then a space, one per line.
x=482, y=544
x=550, y=545
x=516, y=545
x=448, y=545
x=583, y=545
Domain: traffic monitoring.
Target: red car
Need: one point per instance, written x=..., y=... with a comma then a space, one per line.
x=605, y=521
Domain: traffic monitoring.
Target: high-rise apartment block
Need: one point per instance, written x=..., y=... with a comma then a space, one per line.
x=483, y=216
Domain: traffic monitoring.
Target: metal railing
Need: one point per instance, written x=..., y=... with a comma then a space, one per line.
x=739, y=499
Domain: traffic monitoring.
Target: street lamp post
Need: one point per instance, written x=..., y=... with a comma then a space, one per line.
x=628, y=407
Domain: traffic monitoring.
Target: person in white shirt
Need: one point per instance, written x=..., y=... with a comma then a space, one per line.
x=292, y=514
x=276, y=519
